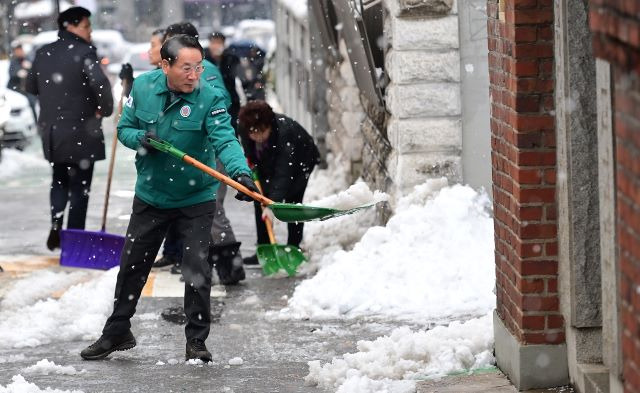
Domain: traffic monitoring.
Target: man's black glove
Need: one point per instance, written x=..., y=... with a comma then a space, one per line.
x=144, y=142
x=126, y=75
x=246, y=181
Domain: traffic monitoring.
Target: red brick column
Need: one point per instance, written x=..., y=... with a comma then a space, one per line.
x=521, y=65
x=616, y=38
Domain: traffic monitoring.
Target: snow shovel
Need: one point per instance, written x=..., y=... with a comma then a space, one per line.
x=95, y=250
x=287, y=212
x=274, y=256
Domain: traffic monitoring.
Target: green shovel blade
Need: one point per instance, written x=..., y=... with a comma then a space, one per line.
x=289, y=212
x=274, y=257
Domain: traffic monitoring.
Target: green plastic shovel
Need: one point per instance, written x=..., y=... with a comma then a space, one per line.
x=287, y=212
x=273, y=256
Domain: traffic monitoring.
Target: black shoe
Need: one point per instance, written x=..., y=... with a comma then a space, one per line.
x=176, y=268
x=107, y=344
x=1, y=269
x=252, y=260
x=228, y=263
x=53, y=241
x=197, y=350
x=166, y=260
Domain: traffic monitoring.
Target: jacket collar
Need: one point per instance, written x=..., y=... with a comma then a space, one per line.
x=67, y=35
x=160, y=87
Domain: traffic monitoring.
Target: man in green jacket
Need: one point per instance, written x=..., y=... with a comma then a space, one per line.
x=192, y=116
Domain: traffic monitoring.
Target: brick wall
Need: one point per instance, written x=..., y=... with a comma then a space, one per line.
x=616, y=39
x=524, y=168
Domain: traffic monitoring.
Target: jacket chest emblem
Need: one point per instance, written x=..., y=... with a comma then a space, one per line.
x=185, y=111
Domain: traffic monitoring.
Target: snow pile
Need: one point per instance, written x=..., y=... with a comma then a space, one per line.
x=237, y=361
x=45, y=367
x=358, y=194
x=20, y=385
x=39, y=285
x=432, y=262
x=14, y=162
x=379, y=365
x=325, y=182
x=79, y=314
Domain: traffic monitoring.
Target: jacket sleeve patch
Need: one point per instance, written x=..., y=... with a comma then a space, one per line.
x=218, y=111
x=129, y=101
x=210, y=78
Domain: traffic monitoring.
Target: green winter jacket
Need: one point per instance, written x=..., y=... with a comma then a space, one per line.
x=196, y=123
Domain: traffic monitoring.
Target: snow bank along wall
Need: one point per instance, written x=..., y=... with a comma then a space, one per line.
x=391, y=76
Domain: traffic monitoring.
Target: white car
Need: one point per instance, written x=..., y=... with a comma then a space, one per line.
x=261, y=31
x=16, y=120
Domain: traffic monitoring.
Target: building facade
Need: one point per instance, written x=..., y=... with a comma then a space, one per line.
x=392, y=87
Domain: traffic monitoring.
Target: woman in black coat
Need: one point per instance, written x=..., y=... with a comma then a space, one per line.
x=74, y=95
x=284, y=155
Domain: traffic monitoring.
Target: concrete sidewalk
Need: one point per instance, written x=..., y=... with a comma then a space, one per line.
x=488, y=382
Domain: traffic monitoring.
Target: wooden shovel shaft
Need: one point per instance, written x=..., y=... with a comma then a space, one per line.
x=112, y=161
x=267, y=222
x=227, y=180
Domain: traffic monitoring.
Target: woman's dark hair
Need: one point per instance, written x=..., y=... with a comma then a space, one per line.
x=180, y=28
x=254, y=115
x=172, y=46
x=72, y=16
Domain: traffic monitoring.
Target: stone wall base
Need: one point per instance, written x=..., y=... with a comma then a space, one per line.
x=529, y=366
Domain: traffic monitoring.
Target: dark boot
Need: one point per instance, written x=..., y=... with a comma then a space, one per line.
x=252, y=260
x=166, y=260
x=196, y=349
x=227, y=262
x=53, y=241
x=107, y=344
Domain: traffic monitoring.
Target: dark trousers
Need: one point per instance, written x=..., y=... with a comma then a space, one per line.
x=147, y=228
x=71, y=184
x=294, y=230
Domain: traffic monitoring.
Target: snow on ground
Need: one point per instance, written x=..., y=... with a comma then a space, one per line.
x=20, y=385
x=433, y=261
x=39, y=285
x=79, y=314
x=14, y=162
x=46, y=367
x=393, y=363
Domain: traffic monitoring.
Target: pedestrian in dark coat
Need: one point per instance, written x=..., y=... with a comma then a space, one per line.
x=228, y=64
x=284, y=155
x=74, y=96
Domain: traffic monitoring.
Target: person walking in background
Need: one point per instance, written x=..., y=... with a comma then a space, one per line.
x=174, y=105
x=74, y=96
x=18, y=70
x=228, y=64
x=284, y=155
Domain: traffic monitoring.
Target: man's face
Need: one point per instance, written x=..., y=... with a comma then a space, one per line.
x=18, y=52
x=154, y=50
x=184, y=74
x=216, y=46
x=82, y=30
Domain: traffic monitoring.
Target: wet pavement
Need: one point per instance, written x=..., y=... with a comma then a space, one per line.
x=274, y=352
